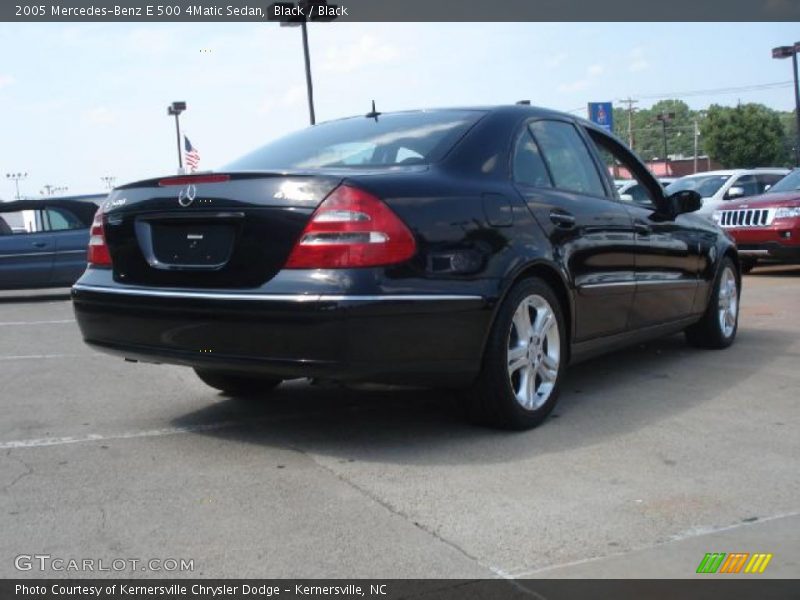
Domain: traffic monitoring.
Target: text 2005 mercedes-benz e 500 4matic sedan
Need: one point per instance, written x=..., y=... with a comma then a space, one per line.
x=483, y=249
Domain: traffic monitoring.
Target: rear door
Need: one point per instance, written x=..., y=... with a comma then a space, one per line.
x=71, y=237
x=591, y=234
x=26, y=250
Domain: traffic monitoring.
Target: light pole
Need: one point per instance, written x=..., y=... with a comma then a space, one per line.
x=108, y=180
x=665, y=118
x=175, y=109
x=298, y=16
x=16, y=177
x=786, y=52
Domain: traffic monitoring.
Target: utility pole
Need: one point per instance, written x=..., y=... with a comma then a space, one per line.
x=108, y=180
x=696, y=143
x=49, y=189
x=630, y=102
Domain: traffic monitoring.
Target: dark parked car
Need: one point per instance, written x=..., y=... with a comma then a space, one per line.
x=476, y=248
x=43, y=242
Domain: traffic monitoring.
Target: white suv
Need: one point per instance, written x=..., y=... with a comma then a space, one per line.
x=716, y=187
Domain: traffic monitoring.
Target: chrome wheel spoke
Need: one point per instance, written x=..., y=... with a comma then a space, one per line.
x=522, y=321
x=534, y=352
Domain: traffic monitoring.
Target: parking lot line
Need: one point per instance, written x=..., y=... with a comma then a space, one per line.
x=19, y=323
x=41, y=356
x=96, y=437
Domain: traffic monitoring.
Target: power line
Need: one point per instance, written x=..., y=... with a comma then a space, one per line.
x=726, y=90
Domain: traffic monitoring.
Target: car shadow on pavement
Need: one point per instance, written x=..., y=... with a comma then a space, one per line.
x=609, y=396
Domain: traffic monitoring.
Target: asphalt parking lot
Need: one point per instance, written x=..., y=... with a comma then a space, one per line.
x=654, y=456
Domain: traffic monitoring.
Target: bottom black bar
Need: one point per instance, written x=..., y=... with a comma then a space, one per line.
x=397, y=589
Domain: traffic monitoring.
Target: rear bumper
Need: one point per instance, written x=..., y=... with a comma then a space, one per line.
x=429, y=338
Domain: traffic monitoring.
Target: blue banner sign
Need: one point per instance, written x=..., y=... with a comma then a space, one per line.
x=602, y=114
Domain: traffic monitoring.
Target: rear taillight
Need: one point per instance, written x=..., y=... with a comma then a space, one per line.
x=97, y=254
x=352, y=228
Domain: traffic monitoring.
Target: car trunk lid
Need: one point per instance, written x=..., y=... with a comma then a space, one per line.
x=210, y=230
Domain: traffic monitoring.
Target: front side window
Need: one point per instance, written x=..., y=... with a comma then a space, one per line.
x=21, y=222
x=618, y=164
x=388, y=140
x=790, y=183
x=705, y=185
x=567, y=157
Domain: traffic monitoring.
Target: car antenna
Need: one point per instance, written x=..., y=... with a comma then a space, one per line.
x=373, y=114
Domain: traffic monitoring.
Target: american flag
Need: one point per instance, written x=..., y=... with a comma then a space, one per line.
x=192, y=156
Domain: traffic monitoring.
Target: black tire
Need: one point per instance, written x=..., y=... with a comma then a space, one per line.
x=237, y=384
x=492, y=399
x=748, y=264
x=709, y=332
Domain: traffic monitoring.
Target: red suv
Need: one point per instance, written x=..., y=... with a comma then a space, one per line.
x=766, y=227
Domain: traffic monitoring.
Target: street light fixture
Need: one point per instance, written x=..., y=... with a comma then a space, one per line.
x=16, y=177
x=786, y=52
x=175, y=109
x=665, y=118
x=297, y=16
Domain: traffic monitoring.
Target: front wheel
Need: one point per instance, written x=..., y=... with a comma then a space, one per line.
x=524, y=360
x=717, y=328
x=748, y=264
x=237, y=384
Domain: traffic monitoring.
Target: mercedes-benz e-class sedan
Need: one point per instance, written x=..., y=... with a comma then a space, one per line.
x=483, y=249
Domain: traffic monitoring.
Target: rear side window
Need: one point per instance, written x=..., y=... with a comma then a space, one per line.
x=392, y=139
x=528, y=166
x=567, y=157
x=60, y=219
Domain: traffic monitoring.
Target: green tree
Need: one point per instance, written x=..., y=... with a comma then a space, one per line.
x=648, y=136
x=748, y=135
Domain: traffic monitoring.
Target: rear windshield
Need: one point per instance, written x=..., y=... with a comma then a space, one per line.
x=705, y=185
x=394, y=139
x=790, y=183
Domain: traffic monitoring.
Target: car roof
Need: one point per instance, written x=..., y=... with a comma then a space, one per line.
x=83, y=207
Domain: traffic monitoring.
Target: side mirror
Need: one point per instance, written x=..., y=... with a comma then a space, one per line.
x=626, y=197
x=735, y=191
x=685, y=201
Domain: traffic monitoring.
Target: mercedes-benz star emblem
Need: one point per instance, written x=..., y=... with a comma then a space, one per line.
x=186, y=195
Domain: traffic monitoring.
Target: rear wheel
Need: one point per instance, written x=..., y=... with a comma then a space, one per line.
x=717, y=328
x=524, y=360
x=237, y=383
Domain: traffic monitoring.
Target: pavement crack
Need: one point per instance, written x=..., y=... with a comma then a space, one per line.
x=393, y=509
x=28, y=471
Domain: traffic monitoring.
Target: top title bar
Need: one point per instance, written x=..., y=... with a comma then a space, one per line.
x=399, y=10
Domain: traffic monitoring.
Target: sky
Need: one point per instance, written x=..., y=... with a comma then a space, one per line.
x=83, y=101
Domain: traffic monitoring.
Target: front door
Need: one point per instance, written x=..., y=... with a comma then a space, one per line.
x=591, y=234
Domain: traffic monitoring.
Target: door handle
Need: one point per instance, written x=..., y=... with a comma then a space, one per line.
x=562, y=219
x=39, y=244
x=642, y=228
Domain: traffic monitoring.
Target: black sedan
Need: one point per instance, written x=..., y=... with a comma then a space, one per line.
x=482, y=248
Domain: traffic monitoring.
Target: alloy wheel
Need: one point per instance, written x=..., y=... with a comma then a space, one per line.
x=534, y=352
